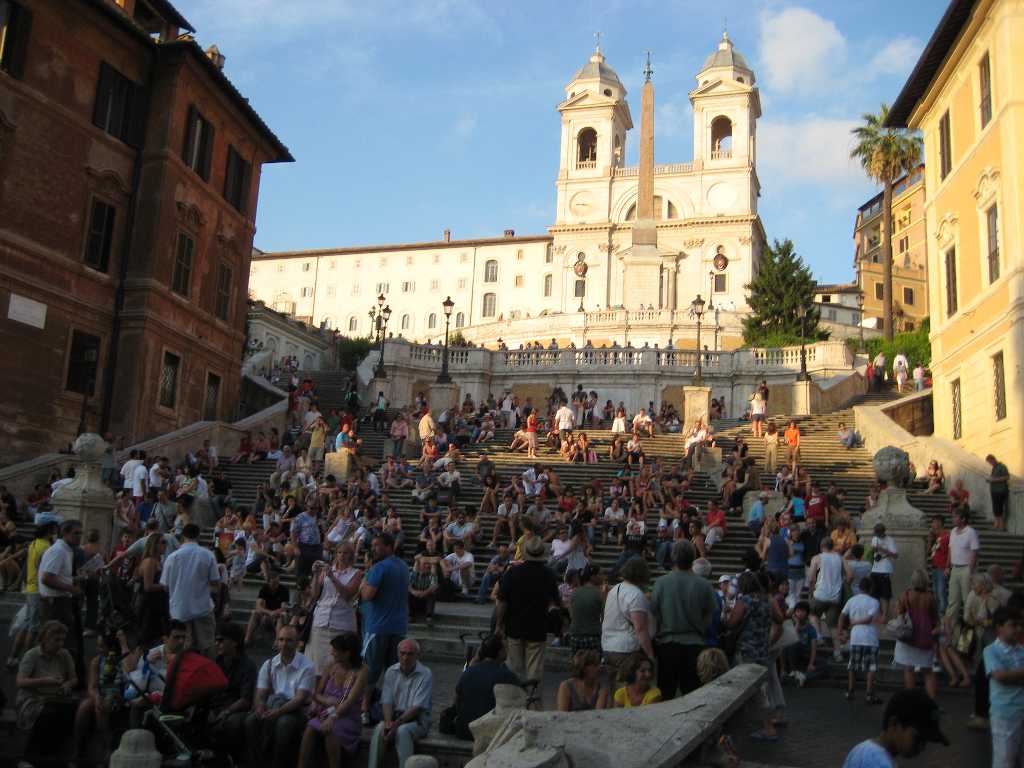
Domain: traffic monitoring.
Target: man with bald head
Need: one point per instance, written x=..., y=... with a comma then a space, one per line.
x=406, y=697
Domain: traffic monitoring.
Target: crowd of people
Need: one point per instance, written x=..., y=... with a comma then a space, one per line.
x=811, y=587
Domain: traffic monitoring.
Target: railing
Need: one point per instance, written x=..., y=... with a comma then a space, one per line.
x=583, y=165
x=434, y=354
x=667, y=168
x=721, y=154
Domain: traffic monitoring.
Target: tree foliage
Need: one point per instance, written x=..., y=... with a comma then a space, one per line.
x=914, y=344
x=352, y=350
x=782, y=286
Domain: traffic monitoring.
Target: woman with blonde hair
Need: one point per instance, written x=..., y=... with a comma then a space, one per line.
x=916, y=652
x=583, y=691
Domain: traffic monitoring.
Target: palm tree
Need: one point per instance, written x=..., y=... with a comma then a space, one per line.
x=886, y=154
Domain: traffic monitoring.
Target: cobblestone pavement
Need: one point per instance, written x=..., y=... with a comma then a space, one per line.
x=823, y=726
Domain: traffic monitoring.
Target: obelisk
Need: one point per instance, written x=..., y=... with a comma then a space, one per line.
x=642, y=262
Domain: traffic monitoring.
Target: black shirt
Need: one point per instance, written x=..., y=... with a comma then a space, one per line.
x=241, y=677
x=273, y=599
x=221, y=486
x=474, y=692
x=528, y=589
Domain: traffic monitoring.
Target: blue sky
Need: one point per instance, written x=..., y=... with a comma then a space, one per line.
x=409, y=116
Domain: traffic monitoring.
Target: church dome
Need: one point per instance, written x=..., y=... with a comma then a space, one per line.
x=597, y=69
x=725, y=56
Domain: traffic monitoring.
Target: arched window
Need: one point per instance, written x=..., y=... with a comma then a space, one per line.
x=432, y=320
x=618, y=151
x=721, y=137
x=353, y=324
x=460, y=319
x=548, y=280
x=490, y=304
x=586, y=148
x=672, y=212
x=491, y=271
x=405, y=322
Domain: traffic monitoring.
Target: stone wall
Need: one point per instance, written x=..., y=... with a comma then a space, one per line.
x=914, y=414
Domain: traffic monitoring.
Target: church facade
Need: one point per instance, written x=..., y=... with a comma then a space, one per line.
x=585, y=280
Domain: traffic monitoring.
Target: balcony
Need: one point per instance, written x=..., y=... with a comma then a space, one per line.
x=721, y=154
x=659, y=170
x=586, y=165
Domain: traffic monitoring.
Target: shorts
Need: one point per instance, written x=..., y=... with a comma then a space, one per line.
x=829, y=610
x=316, y=454
x=379, y=653
x=33, y=617
x=757, y=417
x=863, y=658
x=585, y=643
x=881, y=586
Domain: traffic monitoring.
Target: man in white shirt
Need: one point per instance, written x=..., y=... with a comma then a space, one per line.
x=406, y=698
x=564, y=420
x=882, y=567
x=157, y=475
x=56, y=583
x=507, y=411
x=128, y=469
x=862, y=612
x=642, y=423
x=188, y=574
x=458, y=567
x=283, y=687
x=963, y=556
x=533, y=481
x=140, y=477
x=826, y=576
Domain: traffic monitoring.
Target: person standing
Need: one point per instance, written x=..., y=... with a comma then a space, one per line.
x=626, y=625
x=564, y=420
x=59, y=589
x=826, y=575
x=526, y=593
x=683, y=605
x=189, y=573
x=917, y=652
x=385, y=600
x=334, y=587
x=285, y=683
x=863, y=613
x=879, y=364
x=380, y=410
x=792, y=437
x=399, y=434
x=963, y=555
x=884, y=547
x=305, y=533
x=918, y=378
x=938, y=554
x=531, y=435
x=999, y=488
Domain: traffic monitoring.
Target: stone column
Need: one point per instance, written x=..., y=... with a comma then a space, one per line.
x=696, y=405
x=801, y=398
x=86, y=498
x=443, y=397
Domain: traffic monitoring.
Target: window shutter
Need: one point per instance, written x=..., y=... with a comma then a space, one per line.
x=135, y=135
x=190, y=127
x=243, y=185
x=22, y=32
x=206, y=151
x=103, y=94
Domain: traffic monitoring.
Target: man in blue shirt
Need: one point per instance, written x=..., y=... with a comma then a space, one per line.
x=385, y=600
x=1004, y=663
x=755, y=518
x=910, y=721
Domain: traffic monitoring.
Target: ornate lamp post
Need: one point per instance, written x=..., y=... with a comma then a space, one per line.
x=801, y=312
x=697, y=310
x=379, y=317
x=443, y=377
x=860, y=318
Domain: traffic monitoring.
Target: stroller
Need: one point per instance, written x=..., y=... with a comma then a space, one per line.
x=177, y=716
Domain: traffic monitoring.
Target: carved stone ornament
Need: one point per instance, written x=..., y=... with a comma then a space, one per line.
x=606, y=248
x=560, y=249
x=694, y=242
x=744, y=240
x=987, y=185
x=190, y=215
x=107, y=182
x=947, y=229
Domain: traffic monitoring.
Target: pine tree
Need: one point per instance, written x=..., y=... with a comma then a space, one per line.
x=783, y=284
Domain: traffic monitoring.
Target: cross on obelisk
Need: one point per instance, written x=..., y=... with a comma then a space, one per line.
x=597, y=36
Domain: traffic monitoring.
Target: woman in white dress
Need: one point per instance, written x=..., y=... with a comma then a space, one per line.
x=619, y=424
x=334, y=587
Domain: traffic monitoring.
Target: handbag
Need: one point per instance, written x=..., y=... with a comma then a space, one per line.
x=965, y=641
x=901, y=626
x=788, y=637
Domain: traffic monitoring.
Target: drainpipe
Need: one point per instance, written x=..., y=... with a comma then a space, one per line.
x=129, y=232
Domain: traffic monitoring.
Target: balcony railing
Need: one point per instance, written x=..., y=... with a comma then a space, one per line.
x=584, y=165
x=721, y=154
x=667, y=168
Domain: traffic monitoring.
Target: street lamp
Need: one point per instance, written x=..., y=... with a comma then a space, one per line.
x=697, y=310
x=801, y=312
x=379, y=317
x=443, y=377
x=860, y=317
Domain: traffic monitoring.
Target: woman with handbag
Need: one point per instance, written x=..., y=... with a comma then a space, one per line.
x=916, y=626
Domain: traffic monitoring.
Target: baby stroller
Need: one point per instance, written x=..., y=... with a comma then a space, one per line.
x=177, y=716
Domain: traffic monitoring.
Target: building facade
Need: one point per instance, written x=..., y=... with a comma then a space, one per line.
x=840, y=311
x=909, y=255
x=272, y=336
x=129, y=177
x=966, y=95
x=576, y=278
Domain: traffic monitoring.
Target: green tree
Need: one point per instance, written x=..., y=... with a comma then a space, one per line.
x=782, y=287
x=886, y=154
x=352, y=350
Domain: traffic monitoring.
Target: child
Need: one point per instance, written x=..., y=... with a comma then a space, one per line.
x=862, y=612
x=1004, y=663
x=801, y=658
x=910, y=721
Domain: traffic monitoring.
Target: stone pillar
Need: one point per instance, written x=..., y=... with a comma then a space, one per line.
x=443, y=397
x=137, y=750
x=339, y=464
x=86, y=498
x=801, y=398
x=696, y=405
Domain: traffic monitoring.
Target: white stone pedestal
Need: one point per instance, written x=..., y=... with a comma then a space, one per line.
x=86, y=498
x=906, y=524
x=442, y=397
x=696, y=405
x=802, y=398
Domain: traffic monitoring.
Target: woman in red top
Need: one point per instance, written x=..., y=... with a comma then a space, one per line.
x=714, y=525
x=244, y=449
x=938, y=553
x=531, y=435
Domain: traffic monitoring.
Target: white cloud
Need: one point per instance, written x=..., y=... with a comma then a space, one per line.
x=807, y=150
x=897, y=57
x=464, y=126
x=799, y=50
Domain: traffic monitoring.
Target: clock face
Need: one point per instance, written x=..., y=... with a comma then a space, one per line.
x=721, y=262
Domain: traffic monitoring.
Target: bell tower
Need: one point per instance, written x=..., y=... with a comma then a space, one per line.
x=595, y=119
x=726, y=106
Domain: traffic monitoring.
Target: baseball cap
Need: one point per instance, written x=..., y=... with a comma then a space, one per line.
x=724, y=577
x=917, y=709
